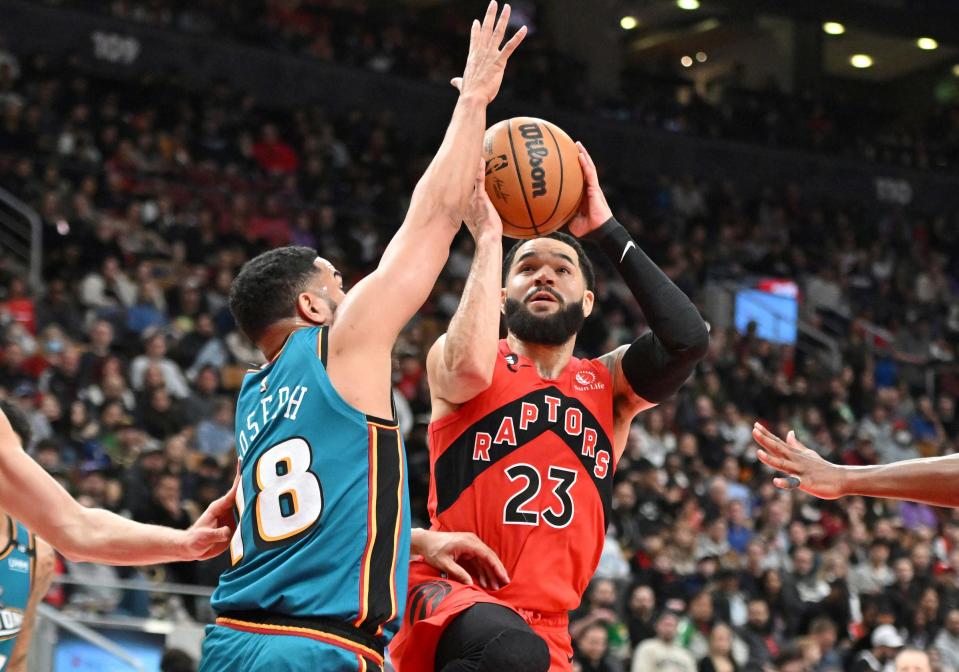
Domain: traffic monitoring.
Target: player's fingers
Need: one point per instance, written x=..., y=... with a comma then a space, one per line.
x=499, y=29
x=589, y=172
x=582, y=149
x=786, y=482
x=489, y=21
x=793, y=443
x=488, y=560
x=777, y=462
x=770, y=442
x=514, y=42
x=457, y=573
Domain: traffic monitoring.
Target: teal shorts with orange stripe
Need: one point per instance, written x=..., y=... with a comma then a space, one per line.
x=235, y=647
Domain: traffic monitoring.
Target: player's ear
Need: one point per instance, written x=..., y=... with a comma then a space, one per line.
x=312, y=309
x=502, y=300
x=588, y=298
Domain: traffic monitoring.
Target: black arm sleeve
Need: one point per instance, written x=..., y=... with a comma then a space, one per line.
x=659, y=362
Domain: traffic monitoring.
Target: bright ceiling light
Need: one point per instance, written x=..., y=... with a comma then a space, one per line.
x=861, y=61
x=701, y=56
x=833, y=28
x=688, y=5
x=628, y=22
x=927, y=43
x=686, y=61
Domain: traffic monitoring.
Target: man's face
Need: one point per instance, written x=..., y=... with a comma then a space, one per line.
x=904, y=571
x=952, y=622
x=604, y=594
x=757, y=614
x=913, y=661
x=666, y=628
x=803, y=562
x=592, y=643
x=545, y=299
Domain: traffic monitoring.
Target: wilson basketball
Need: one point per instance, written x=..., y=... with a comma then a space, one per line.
x=533, y=176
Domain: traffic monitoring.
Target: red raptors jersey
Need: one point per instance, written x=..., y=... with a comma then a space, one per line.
x=527, y=465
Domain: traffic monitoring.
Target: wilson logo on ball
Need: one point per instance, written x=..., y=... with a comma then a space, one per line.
x=533, y=135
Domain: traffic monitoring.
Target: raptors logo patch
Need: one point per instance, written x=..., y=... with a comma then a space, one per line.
x=425, y=597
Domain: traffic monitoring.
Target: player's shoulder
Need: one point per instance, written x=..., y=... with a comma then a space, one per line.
x=601, y=367
x=306, y=344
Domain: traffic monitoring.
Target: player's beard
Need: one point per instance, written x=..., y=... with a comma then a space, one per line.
x=552, y=329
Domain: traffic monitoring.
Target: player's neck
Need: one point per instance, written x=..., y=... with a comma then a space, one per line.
x=550, y=360
x=277, y=335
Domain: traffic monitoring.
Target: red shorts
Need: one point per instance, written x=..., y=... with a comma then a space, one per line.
x=434, y=601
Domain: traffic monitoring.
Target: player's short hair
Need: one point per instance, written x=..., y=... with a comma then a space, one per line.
x=18, y=421
x=585, y=265
x=266, y=289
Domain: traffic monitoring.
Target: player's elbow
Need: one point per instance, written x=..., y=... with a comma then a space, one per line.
x=74, y=539
x=473, y=377
x=696, y=344
x=437, y=202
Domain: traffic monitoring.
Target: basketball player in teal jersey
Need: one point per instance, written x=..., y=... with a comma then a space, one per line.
x=322, y=545
x=26, y=569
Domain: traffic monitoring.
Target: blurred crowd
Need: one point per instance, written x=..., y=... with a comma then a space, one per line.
x=426, y=42
x=127, y=361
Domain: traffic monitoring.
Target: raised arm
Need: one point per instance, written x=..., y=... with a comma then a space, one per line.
x=930, y=480
x=460, y=364
x=379, y=306
x=33, y=497
x=654, y=366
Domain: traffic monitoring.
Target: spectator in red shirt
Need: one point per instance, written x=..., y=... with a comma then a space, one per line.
x=274, y=155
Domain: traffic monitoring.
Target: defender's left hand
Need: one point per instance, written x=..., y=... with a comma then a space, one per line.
x=211, y=533
x=593, y=210
x=461, y=554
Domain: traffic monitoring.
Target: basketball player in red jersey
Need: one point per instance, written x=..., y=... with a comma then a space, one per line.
x=525, y=437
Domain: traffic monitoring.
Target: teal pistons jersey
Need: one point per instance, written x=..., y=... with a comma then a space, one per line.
x=17, y=564
x=324, y=523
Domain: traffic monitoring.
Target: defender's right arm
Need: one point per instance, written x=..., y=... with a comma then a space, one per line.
x=377, y=309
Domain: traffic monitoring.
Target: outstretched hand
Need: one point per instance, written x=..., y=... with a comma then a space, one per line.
x=803, y=468
x=211, y=533
x=594, y=211
x=486, y=62
x=462, y=554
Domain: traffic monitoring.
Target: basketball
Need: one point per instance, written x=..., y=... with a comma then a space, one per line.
x=533, y=176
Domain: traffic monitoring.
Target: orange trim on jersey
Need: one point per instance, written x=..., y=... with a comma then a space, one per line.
x=12, y=542
x=371, y=527
x=309, y=633
x=319, y=344
x=391, y=428
x=361, y=664
x=277, y=355
x=396, y=532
